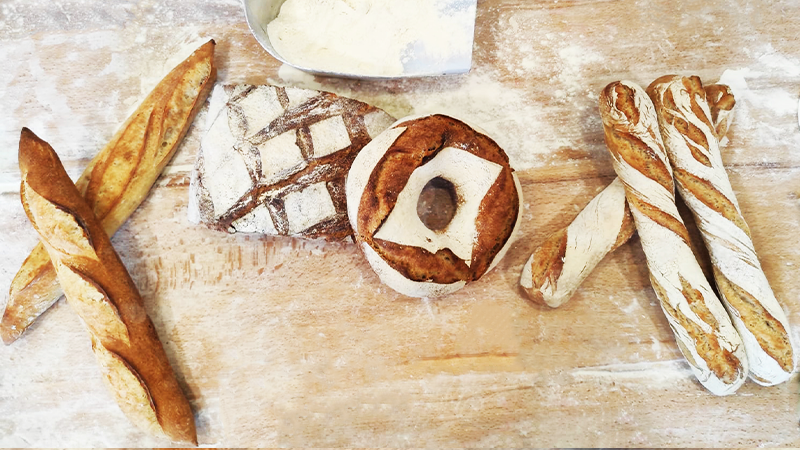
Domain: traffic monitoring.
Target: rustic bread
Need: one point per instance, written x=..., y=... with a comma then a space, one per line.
x=559, y=265
x=119, y=178
x=101, y=291
x=703, y=330
x=274, y=160
x=384, y=187
x=687, y=127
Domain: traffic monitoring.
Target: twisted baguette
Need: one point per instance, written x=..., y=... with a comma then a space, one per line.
x=701, y=325
x=687, y=129
x=119, y=178
x=101, y=291
x=559, y=265
x=556, y=268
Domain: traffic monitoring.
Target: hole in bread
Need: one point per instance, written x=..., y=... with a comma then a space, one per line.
x=437, y=204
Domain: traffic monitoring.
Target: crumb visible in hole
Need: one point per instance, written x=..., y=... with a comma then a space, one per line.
x=437, y=204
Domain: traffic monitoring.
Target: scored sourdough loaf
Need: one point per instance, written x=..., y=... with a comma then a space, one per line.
x=687, y=129
x=97, y=287
x=559, y=265
x=388, y=206
x=274, y=160
x=702, y=328
x=119, y=178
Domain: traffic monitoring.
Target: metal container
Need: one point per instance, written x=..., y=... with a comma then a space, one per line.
x=259, y=13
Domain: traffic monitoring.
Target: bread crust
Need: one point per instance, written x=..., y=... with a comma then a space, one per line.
x=411, y=143
x=702, y=328
x=264, y=146
x=687, y=127
x=562, y=262
x=119, y=177
x=100, y=290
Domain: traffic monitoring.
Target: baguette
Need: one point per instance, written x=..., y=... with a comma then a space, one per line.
x=687, y=129
x=101, y=291
x=701, y=325
x=556, y=268
x=119, y=178
x=559, y=265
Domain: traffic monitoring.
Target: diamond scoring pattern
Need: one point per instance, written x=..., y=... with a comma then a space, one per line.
x=328, y=131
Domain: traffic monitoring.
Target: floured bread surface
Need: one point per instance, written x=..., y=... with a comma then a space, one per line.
x=274, y=160
x=383, y=191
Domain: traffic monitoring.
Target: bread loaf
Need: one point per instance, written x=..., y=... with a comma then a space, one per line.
x=687, y=127
x=101, y=291
x=119, y=178
x=556, y=268
x=559, y=265
x=386, y=204
x=701, y=325
x=274, y=160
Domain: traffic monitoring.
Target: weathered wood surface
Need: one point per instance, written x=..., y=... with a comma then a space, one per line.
x=287, y=342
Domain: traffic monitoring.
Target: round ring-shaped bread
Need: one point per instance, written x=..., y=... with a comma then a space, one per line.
x=383, y=187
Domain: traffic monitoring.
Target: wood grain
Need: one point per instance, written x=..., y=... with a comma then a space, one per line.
x=286, y=342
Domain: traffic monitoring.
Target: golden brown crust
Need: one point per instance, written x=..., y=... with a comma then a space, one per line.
x=626, y=230
x=770, y=333
x=101, y=290
x=721, y=102
x=701, y=325
x=704, y=191
x=118, y=179
x=421, y=141
x=708, y=193
x=547, y=261
x=631, y=149
x=720, y=361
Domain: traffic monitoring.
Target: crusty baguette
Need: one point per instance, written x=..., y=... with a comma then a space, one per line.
x=687, y=127
x=101, y=291
x=559, y=265
x=119, y=178
x=556, y=268
x=701, y=325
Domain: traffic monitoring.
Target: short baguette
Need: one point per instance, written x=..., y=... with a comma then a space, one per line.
x=119, y=178
x=559, y=265
x=687, y=129
x=101, y=291
x=701, y=325
x=557, y=268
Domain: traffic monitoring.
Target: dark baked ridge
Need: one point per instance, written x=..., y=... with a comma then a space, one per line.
x=418, y=144
x=331, y=169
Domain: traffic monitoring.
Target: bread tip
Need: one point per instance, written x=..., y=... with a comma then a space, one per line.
x=27, y=134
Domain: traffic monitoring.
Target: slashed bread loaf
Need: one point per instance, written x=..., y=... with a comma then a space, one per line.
x=703, y=330
x=559, y=265
x=100, y=290
x=687, y=127
x=274, y=160
x=385, y=189
x=119, y=178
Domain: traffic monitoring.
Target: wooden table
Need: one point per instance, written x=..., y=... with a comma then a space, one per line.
x=282, y=342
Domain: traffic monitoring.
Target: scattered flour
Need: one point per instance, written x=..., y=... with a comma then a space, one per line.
x=517, y=124
x=374, y=37
x=758, y=108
